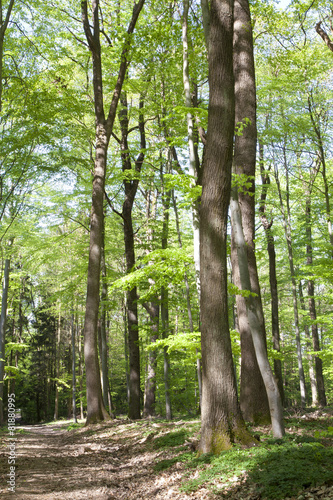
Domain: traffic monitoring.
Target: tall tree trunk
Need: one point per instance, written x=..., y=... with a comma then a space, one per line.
x=3, y=320
x=221, y=419
x=287, y=229
x=150, y=386
x=131, y=187
x=253, y=398
x=273, y=394
x=312, y=307
x=194, y=165
x=102, y=332
x=73, y=369
x=58, y=344
x=312, y=374
x=188, y=302
x=95, y=406
x=165, y=296
x=272, y=272
x=320, y=145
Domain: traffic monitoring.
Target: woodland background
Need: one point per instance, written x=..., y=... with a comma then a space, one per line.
x=46, y=153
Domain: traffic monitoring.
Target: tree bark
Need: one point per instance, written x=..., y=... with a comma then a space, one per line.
x=287, y=229
x=312, y=375
x=150, y=386
x=273, y=395
x=131, y=187
x=95, y=407
x=253, y=398
x=221, y=419
x=312, y=308
x=272, y=272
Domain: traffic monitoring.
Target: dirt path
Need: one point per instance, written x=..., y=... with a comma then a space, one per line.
x=110, y=461
x=53, y=463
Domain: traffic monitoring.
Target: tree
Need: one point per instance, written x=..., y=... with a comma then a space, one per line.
x=253, y=398
x=103, y=128
x=221, y=419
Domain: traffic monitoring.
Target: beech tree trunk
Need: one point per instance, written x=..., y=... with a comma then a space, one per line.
x=272, y=272
x=312, y=374
x=131, y=187
x=253, y=398
x=312, y=309
x=150, y=386
x=287, y=229
x=95, y=406
x=273, y=395
x=221, y=419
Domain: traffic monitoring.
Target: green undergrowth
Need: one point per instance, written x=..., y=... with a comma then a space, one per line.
x=275, y=469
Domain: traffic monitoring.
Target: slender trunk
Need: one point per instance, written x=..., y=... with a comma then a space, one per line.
x=150, y=386
x=166, y=362
x=81, y=376
x=73, y=369
x=272, y=272
x=322, y=158
x=275, y=405
x=287, y=229
x=194, y=165
x=102, y=332
x=95, y=406
x=221, y=419
x=3, y=319
x=253, y=398
x=56, y=404
x=188, y=301
x=312, y=375
x=165, y=300
x=312, y=308
x=131, y=187
x=126, y=351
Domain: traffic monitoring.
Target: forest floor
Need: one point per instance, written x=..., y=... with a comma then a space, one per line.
x=155, y=459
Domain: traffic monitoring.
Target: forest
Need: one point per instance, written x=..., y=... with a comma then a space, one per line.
x=166, y=173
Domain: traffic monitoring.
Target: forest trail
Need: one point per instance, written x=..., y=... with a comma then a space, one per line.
x=116, y=460
x=103, y=462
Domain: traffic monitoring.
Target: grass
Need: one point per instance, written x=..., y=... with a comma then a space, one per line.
x=276, y=469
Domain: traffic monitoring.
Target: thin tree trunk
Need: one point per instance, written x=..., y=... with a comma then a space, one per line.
x=102, y=332
x=221, y=419
x=312, y=308
x=253, y=398
x=73, y=369
x=287, y=229
x=95, y=406
x=131, y=187
x=188, y=301
x=312, y=375
x=56, y=403
x=275, y=405
x=194, y=165
x=3, y=320
x=150, y=386
x=272, y=272
x=165, y=299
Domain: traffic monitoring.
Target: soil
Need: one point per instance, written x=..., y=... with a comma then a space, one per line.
x=108, y=461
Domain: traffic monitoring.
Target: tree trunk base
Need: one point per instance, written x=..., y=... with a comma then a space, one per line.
x=223, y=437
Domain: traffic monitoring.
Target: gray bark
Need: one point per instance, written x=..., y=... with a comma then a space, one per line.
x=221, y=419
x=272, y=390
